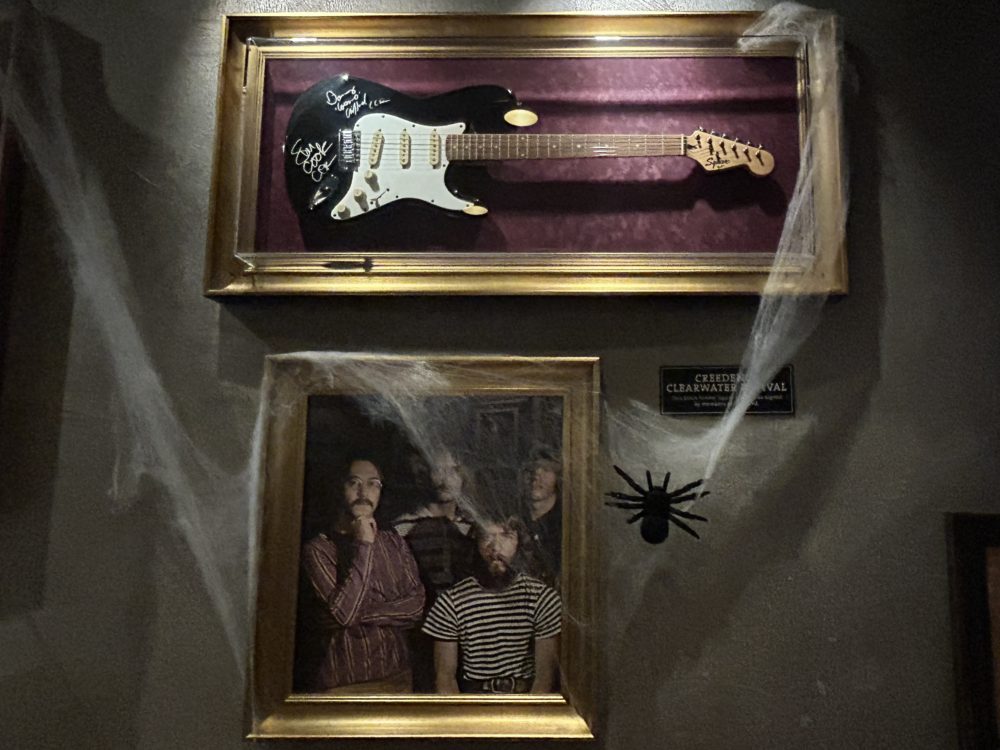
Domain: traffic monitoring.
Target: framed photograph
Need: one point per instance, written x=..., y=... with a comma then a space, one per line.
x=425, y=561
x=974, y=559
x=447, y=154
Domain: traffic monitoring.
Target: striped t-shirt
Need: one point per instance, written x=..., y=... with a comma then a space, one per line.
x=496, y=630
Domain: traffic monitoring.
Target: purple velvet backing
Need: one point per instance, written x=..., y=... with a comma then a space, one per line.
x=583, y=205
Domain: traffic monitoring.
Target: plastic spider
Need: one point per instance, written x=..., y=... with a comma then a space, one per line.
x=656, y=506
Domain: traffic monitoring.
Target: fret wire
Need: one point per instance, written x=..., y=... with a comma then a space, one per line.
x=502, y=146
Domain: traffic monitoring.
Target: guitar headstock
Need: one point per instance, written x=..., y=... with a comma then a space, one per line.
x=717, y=152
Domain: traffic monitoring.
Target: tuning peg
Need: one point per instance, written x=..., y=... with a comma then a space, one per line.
x=701, y=128
x=724, y=135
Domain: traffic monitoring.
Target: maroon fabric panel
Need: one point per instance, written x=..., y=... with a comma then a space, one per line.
x=667, y=204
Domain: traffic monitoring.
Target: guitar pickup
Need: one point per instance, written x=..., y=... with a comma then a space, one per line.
x=434, y=152
x=404, y=149
x=375, y=153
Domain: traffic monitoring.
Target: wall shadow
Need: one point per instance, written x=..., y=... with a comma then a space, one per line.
x=770, y=531
x=37, y=302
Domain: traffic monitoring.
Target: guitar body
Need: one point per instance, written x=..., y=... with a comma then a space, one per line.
x=354, y=146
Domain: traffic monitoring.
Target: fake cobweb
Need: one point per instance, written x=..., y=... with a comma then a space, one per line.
x=215, y=508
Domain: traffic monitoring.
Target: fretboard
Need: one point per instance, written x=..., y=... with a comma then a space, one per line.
x=493, y=146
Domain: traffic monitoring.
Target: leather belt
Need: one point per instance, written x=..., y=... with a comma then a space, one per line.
x=496, y=685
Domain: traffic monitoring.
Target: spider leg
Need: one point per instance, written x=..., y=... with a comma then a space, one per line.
x=623, y=496
x=688, y=487
x=692, y=516
x=666, y=481
x=631, y=482
x=682, y=498
x=636, y=517
x=627, y=504
x=685, y=527
x=685, y=498
x=649, y=481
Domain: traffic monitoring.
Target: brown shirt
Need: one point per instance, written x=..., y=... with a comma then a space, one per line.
x=370, y=606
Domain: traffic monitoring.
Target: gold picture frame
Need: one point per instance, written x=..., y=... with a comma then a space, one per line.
x=243, y=258
x=292, y=383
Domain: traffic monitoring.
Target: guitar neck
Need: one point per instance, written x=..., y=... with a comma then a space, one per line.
x=505, y=146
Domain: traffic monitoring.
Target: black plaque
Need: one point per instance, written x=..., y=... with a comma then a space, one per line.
x=706, y=389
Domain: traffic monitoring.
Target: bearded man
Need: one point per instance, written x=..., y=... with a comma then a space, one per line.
x=502, y=623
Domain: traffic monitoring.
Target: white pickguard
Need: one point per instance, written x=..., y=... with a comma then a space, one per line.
x=393, y=176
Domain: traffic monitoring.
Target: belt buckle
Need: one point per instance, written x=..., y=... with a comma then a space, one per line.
x=501, y=685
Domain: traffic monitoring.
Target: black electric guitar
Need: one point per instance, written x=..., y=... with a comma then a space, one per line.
x=354, y=146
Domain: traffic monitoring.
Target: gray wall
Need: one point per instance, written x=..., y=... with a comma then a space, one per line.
x=816, y=611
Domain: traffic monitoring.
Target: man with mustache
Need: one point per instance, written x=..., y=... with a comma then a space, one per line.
x=503, y=623
x=368, y=589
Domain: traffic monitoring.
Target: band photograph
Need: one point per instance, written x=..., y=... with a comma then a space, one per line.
x=426, y=531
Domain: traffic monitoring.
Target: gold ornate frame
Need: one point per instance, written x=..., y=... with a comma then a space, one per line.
x=234, y=267
x=274, y=710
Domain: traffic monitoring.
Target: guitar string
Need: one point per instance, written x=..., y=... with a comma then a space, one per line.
x=530, y=146
x=533, y=146
x=546, y=141
x=543, y=139
x=547, y=136
x=460, y=153
x=479, y=147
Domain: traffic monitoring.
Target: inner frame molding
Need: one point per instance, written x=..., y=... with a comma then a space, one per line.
x=241, y=260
